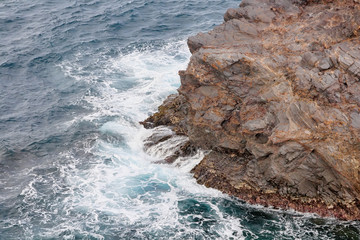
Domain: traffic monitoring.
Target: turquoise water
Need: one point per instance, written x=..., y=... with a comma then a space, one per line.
x=76, y=77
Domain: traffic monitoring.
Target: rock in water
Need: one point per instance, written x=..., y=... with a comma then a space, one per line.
x=274, y=92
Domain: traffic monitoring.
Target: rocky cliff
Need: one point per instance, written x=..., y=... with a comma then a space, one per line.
x=274, y=92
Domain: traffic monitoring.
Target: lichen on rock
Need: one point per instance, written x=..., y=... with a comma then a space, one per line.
x=274, y=92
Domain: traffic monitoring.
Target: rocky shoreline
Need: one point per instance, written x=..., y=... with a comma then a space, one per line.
x=274, y=93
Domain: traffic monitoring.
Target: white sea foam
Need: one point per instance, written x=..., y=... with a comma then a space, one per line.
x=150, y=76
x=122, y=182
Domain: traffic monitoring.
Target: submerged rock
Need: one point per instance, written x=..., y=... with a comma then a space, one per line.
x=274, y=92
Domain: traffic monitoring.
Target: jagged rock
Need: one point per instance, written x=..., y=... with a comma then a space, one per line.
x=274, y=92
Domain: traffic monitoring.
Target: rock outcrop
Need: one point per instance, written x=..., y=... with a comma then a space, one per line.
x=274, y=92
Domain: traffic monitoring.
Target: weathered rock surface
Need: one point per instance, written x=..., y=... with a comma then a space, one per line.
x=274, y=92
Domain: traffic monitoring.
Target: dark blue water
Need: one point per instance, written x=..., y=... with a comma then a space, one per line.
x=76, y=77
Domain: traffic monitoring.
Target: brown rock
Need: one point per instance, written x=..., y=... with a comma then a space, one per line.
x=274, y=92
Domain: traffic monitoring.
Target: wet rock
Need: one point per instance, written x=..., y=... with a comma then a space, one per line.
x=158, y=137
x=274, y=93
x=171, y=113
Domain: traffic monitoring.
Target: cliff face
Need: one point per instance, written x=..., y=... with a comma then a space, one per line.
x=274, y=92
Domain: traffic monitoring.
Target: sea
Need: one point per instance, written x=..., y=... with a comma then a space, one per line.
x=76, y=77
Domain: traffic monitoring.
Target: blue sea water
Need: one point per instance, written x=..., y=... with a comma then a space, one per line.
x=76, y=77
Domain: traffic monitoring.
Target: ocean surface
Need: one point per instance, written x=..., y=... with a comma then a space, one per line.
x=76, y=77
